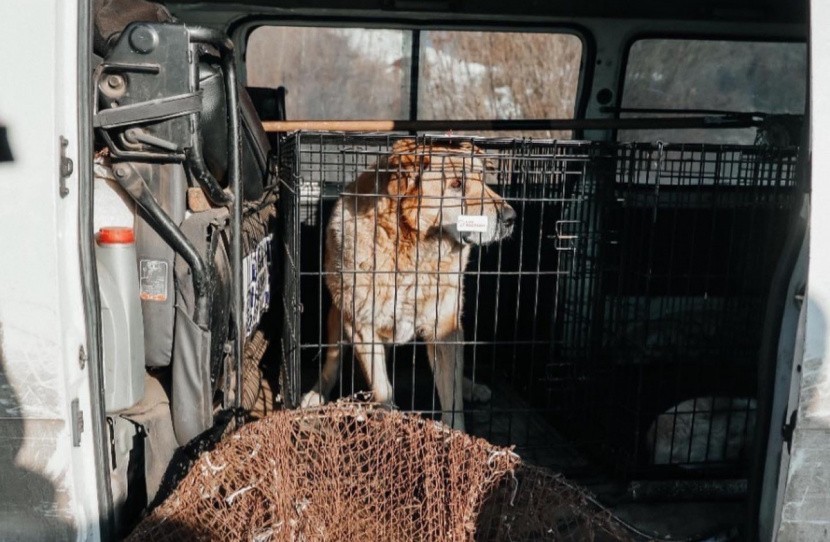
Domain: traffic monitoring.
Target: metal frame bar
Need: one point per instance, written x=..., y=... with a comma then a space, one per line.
x=668, y=123
x=226, y=49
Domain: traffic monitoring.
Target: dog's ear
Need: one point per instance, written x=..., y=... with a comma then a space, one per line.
x=405, y=163
x=407, y=154
x=470, y=148
x=465, y=145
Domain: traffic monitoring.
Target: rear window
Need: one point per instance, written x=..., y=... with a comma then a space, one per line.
x=354, y=74
x=713, y=75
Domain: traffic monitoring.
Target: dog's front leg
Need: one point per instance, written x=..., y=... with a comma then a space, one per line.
x=446, y=356
x=330, y=370
x=371, y=354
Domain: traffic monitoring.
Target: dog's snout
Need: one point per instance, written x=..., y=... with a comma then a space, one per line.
x=507, y=215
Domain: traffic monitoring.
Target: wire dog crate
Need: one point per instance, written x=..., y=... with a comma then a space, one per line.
x=617, y=327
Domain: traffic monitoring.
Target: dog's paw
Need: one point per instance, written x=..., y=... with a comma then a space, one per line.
x=312, y=399
x=476, y=393
x=454, y=420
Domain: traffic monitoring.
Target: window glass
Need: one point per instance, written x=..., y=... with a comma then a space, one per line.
x=717, y=75
x=356, y=73
x=498, y=75
x=333, y=73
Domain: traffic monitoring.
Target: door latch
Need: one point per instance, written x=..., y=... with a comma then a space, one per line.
x=788, y=429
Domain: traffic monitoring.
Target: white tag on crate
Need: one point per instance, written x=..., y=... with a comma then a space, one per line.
x=472, y=223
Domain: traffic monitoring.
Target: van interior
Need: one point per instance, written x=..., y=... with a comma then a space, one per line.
x=634, y=329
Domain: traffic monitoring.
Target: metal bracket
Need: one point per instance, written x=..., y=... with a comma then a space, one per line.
x=66, y=167
x=149, y=111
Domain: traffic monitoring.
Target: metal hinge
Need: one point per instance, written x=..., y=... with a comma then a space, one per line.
x=77, y=422
x=113, y=456
x=66, y=167
x=82, y=357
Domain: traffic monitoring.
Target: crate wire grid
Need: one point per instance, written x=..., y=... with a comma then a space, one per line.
x=529, y=184
x=691, y=243
x=563, y=320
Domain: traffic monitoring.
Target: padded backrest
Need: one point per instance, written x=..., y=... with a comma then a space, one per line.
x=255, y=146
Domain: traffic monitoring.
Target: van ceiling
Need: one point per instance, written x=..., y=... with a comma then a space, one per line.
x=759, y=11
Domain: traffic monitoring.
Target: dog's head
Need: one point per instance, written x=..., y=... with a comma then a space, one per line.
x=444, y=187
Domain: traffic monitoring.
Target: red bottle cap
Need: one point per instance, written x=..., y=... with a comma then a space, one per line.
x=115, y=236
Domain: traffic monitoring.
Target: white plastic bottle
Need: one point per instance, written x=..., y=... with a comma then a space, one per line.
x=122, y=326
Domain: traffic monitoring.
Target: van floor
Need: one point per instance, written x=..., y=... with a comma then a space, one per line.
x=508, y=419
x=705, y=520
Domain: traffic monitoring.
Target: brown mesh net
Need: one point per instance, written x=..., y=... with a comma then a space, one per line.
x=352, y=471
x=535, y=504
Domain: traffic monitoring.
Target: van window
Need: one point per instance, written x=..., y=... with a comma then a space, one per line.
x=714, y=75
x=333, y=73
x=498, y=75
x=349, y=74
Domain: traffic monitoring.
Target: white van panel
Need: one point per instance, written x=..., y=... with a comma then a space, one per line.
x=48, y=489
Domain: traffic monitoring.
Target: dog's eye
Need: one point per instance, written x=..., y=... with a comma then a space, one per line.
x=456, y=183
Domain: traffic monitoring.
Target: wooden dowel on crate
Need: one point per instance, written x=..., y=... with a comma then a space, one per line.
x=711, y=121
x=330, y=125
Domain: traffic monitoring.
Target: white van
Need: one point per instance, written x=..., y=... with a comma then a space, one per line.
x=653, y=328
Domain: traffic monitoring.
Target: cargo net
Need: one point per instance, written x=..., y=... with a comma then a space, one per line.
x=352, y=471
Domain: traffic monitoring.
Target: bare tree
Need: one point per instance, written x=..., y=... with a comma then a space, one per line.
x=363, y=74
x=326, y=74
x=499, y=75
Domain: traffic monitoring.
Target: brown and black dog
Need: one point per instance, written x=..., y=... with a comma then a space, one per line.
x=395, y=254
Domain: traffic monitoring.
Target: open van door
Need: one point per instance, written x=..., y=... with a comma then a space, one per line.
x=54, y=479
x=803, y=505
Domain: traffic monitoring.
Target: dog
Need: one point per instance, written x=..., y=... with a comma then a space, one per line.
x=394, y=262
